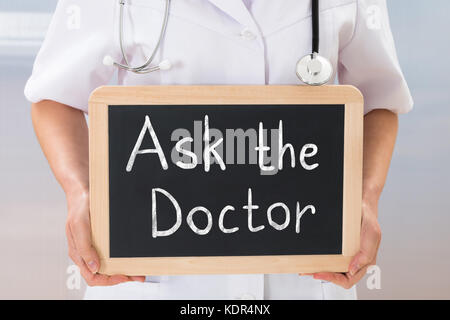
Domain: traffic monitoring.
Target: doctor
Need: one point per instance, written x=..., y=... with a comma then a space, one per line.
x=211, y=42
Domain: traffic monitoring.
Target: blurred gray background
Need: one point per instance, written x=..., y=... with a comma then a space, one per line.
x=414, y=211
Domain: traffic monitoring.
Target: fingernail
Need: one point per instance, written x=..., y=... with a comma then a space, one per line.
x=92, y=265
x=354, y=270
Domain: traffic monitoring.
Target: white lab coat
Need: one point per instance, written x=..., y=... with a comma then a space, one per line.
x=219, y=42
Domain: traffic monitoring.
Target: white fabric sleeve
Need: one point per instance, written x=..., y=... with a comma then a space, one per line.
x=69, y=64
x=369, y=61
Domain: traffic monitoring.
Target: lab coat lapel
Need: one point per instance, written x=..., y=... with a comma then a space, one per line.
x=203, y=13
x=237, y=10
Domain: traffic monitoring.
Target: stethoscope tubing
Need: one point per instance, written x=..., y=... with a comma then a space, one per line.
x=143, y=69
x=315, y=26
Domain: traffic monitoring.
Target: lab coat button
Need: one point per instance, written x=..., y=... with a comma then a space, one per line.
x=247, y=296
x=247, y=34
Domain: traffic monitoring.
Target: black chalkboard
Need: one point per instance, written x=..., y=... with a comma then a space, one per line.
x=130, y=189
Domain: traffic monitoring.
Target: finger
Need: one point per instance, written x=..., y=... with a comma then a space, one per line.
x=360, y=261
x=358, y=276
x=137, y=278
x=81, y=233
x=337, y=278
x=96, y=279
x=370, y=242
x=90, y=278
x=344, y=280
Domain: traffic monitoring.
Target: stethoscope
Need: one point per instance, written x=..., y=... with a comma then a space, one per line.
x=146, y=67
x=312, y=69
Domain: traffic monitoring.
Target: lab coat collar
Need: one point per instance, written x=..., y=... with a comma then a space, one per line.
x=197, y=12
x=237, y=10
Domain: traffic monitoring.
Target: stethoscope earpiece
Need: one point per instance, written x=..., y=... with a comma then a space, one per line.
x=165, y=65
x=108, y=61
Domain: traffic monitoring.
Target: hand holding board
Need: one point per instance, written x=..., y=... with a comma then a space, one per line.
x=225, y=179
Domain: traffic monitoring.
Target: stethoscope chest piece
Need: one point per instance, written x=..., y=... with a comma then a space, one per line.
x=314, y=70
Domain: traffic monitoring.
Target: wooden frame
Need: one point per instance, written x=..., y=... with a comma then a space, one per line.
x=198, y=95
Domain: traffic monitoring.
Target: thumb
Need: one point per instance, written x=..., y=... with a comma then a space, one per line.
x=81, y=234
x=358, y=262
x=90, y=258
